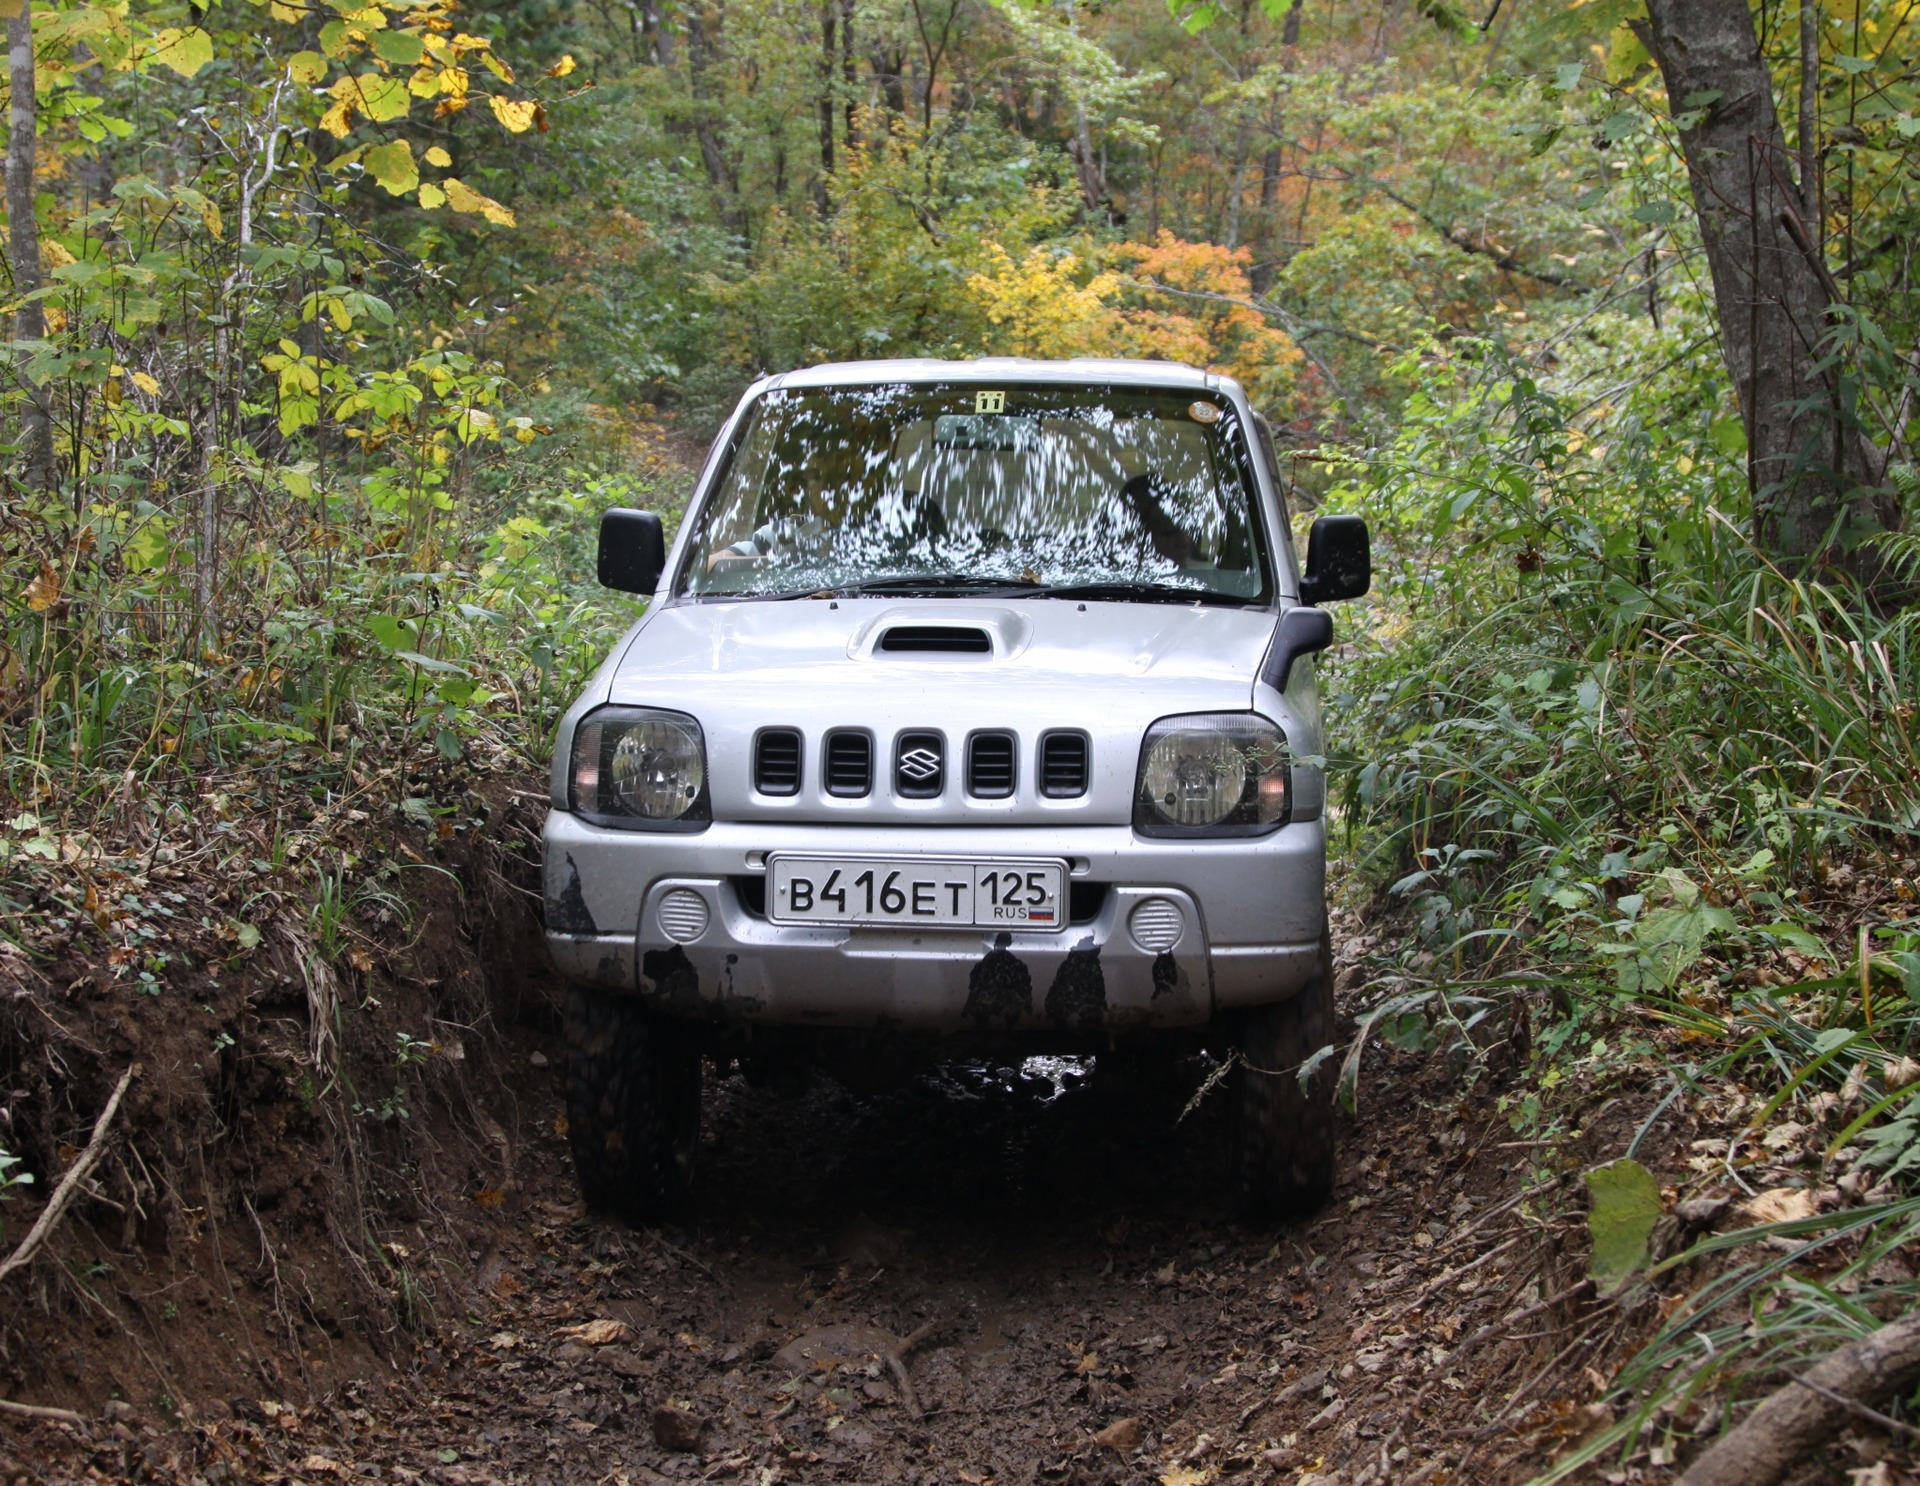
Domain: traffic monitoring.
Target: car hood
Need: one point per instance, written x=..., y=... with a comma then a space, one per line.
x=1104, y=669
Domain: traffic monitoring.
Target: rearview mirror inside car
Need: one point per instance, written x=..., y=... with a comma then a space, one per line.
x=1339, y=560
x=633, y=550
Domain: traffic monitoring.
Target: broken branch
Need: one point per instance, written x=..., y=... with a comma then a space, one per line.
x=1790, y=1424
x=63, y=1194
x=39, y=1411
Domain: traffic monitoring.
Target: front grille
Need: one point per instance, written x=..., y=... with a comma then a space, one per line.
x=776, y=762
x=990, y=766
x=849, y=764
x=939, y=639
x=919, y=766
x=1063, y=765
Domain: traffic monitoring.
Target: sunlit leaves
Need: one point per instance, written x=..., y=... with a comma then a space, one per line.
x=372, y=96
x=517, y=115
x=463, y=198
x=306, y=68
x=392, y=165
x=185, y=51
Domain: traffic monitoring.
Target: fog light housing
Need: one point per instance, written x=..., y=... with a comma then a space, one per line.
x=1156, y=925
x=683, y=915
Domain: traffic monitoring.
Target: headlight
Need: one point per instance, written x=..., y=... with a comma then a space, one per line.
x=1212, y=774
x=639, y=768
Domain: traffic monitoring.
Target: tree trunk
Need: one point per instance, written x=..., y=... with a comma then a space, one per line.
x=29, y=321
x=849, y=75
x=886, y=63
x=707, y=107
x=829, y=60
x=1808, y=466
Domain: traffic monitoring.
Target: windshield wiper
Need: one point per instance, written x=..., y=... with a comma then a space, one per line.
x=1141, y=592
x=937, y=583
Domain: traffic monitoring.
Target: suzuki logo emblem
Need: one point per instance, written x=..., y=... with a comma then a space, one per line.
x=920, y=764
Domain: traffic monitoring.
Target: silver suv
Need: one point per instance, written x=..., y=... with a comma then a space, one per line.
x=974, y=709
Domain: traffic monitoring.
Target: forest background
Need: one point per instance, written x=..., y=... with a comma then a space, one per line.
x=335, y=327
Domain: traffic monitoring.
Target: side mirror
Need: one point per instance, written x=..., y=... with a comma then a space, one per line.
x=633, y=550
x=1339, y=560
x=1300, y=632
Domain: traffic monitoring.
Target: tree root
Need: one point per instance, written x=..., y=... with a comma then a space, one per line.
x=1790, y=1424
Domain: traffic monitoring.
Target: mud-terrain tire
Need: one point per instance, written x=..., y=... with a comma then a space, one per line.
x=633, y=1105
x=1284, y=1156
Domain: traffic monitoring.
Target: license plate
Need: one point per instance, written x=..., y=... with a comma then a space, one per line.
x=939, y=892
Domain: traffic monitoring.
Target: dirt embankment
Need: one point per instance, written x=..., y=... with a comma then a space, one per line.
x=339, y=1240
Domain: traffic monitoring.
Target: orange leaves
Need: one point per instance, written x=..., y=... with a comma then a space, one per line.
x=1195, y=304
x=43, y=590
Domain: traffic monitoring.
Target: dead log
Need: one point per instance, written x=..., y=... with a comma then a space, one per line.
x=1790, y=1425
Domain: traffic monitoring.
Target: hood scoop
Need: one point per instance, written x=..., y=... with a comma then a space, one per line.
x=934, y=639
x=962, y=632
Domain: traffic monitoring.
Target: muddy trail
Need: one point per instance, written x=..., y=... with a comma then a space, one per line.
x=336, y=1236
x=993, y=1274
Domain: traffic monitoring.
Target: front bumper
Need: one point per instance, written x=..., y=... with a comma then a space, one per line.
x=1250, y=915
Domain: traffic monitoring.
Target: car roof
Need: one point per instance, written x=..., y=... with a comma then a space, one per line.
x=1081, y=369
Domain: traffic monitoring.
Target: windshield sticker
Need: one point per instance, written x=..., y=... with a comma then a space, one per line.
x=990, y=402
x=1203, y=412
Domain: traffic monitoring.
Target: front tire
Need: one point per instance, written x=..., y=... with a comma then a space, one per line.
x=633, y=1105
x=1286, y=1143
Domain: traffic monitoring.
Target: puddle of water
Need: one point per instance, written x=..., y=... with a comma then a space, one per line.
x=1062, y=1073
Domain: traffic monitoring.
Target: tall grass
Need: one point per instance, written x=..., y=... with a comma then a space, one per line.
x=1623, y=769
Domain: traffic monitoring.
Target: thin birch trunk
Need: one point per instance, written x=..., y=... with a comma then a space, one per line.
x=29, y=321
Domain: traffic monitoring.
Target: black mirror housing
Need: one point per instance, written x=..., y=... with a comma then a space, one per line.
x=633, y=550
x=1339, y=560
x=1301, y=631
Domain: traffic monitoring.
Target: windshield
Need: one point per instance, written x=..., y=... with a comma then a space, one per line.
x=1105, y=491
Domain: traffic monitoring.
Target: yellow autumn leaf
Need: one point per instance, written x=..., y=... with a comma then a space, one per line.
x=392, y=165
x=516, y=114
x=465, y=199
x=338, y=118
x=54, y=254
x=561, y=68
x=44, y=591
x=437, y=156
x=432, y=196
x=185, y=51
x=146, y=384
x=306, y=68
